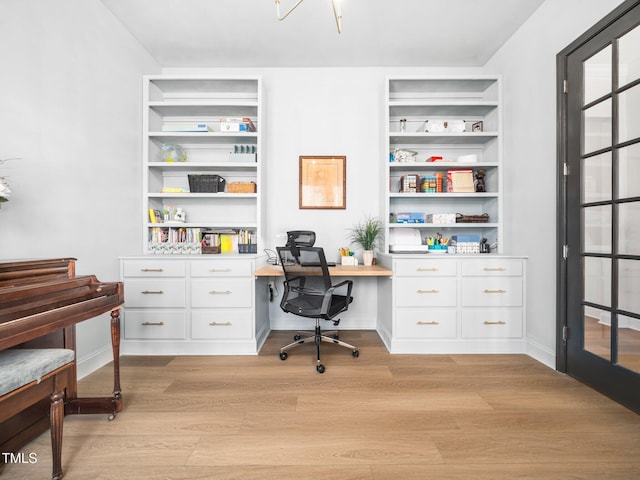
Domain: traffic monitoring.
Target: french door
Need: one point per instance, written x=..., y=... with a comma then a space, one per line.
x=599, y=221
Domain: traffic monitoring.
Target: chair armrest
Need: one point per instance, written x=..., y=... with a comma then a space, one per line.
x=326, y=302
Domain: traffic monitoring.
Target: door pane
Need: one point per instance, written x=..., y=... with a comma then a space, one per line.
x=597, y=229
x=597, y=332
x=597, y=75
x=629, y=171
x=629, y=285
x=597, y=280
x=629, y=57
x=597, y=127
x=596, y=178
x=629, y=228
x=629, y=114
x=629, y=342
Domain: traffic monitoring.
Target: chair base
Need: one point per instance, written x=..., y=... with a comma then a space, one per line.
x=318, y=337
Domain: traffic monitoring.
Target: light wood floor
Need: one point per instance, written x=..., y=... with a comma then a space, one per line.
x=376, y=417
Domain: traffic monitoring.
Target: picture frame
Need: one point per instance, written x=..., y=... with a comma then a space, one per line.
x=323, y=182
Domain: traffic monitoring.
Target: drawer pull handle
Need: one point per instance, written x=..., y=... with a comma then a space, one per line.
x=219, y=270
x=494, y=291
x=150, y=324
x=427, y=269
x=427, y=323
x=486, y=322
x=151, y=270
x=427, y=291
x=494, y=269
x=216, y=324
x=220, y=292
x=152, y=292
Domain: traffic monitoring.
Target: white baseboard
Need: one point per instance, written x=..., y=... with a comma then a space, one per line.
x=541, y=354
x=90, y=363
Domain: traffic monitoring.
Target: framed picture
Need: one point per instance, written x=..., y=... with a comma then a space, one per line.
x=323, y=182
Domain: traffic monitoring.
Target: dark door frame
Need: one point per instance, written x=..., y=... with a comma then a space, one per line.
x=562, y=155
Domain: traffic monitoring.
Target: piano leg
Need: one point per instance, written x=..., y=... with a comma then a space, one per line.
x=109, y=405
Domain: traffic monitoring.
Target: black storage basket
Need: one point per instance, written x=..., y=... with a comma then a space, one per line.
x=206, y=183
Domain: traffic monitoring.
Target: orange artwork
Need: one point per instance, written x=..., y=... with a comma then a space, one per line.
x=323, y=182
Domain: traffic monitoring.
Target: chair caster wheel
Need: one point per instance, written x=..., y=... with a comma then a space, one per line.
x=320, y=368
x=355, y=354
x=283, y=355
x=296, y=338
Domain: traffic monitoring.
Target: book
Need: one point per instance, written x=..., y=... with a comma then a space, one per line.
x=460, y=181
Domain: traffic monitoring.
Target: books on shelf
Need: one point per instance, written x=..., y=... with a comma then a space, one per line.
x=460, y=181
x=237, y=124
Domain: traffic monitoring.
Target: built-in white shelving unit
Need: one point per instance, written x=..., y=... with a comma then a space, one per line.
x=416, y=104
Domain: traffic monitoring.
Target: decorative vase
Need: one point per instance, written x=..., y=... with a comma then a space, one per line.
x=367, y=257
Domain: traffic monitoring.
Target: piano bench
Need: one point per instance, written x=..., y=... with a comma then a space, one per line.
x=26, y=377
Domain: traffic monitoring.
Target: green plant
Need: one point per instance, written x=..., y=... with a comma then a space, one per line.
x=366, y=233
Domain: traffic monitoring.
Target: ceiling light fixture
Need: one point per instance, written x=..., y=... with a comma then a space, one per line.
x=337, y=12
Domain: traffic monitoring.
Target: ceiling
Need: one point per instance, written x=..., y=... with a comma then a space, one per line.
x=394, y=33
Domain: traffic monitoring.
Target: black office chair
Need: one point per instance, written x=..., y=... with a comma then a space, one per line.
x=308, y=292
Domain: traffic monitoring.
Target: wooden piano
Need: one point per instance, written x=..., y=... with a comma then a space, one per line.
x=40, y=303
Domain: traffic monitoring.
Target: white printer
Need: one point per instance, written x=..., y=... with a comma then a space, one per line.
x=406, y=240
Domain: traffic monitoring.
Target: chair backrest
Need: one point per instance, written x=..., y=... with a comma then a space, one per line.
x=307, y=263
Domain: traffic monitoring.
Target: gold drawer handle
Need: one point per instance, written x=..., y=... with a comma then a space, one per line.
x=151, y=270
x=494, y=291
x=219, y=270
x=149, y=324
x=427, y=323
x=494, y=269
x=486, y=322
x=152, y=292
x=216, y=324
x=220, y=292
x=427, y=291
x=427, y=269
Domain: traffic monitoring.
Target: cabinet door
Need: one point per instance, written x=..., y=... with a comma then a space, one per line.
x=154, y=292
x=491, y=323
x=492, y=292
x=221, y=324
x=154, y=324
x=425, y=323
x=222, y=292
x=425, y=292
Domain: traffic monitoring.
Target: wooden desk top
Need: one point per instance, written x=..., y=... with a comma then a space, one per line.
x=337, y=271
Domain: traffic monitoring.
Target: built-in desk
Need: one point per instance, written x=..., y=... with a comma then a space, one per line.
x=335, y=271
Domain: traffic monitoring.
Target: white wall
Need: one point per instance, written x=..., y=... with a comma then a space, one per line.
x=527, y=65
x=70, y=96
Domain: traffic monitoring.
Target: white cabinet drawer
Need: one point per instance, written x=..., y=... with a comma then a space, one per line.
x=154, y=324
x=222, y=292
x=425, y=323
x=425, y=292
x=154, y=293
x=221, y=268
x=490, y=323
x=492, y=267
x=154, y=268
x=492, y=292
x=221, y=324
x=426, y=267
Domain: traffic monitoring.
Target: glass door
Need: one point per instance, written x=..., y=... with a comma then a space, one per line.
x=602, y=210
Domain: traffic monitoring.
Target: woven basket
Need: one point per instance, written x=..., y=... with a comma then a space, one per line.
x=241, y=187
x=484, y=218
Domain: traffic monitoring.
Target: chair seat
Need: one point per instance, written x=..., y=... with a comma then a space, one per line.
x=311, y=305
x=22, y=366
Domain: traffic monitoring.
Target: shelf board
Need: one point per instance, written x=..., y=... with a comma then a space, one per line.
x=443, y=225
x=204, y=137
x=447, y=108
x=203, y=165
x=441, y=165
x=207, y=225
x=221, y=195
x=465, y=138
x=444, y=195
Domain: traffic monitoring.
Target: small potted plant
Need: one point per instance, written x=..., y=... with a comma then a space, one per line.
x=366, y=235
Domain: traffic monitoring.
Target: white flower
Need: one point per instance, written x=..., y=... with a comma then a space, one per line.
x=5, y=192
